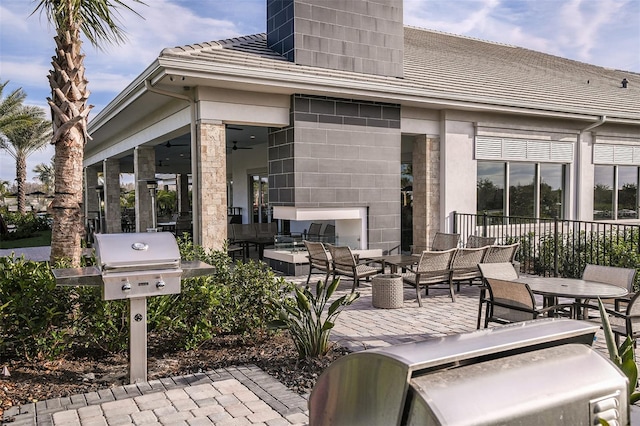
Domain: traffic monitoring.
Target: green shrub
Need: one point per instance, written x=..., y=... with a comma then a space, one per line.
x=102, y=324
x=38, y=319
x=27, y=225
x=231, y=300
x=302, y=315
x=35, y=315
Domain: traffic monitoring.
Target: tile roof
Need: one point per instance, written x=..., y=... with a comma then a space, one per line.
x=455, y=68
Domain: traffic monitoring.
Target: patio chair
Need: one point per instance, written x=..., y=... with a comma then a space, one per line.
x=501, y=271
x=476, y=241
x=503, y=253
x=345, y=263
x=621, y=277
x=464, y=266
x=318, y=259
x=313, y=234
x=434, y=267
x=443, y=241
x=626, y=322
x=328, y=233
x=510, y=301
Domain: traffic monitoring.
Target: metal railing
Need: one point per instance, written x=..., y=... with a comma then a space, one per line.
x=557, y=247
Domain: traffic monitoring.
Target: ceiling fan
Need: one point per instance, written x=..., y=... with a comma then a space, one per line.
x=236, y=147
x=169, y=144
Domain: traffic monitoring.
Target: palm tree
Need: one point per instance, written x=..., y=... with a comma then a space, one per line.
x=96, y=20
x=10, y=107
x=46, y=175
x=22, y=141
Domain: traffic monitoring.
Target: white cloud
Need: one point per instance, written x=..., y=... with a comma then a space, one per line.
x=584, y=23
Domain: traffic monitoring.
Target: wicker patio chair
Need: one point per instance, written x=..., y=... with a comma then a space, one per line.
x=504, y=253
x=443, y=241
x=502, y=271
x=434, y=267
x=464, y=266
x=345, y=263
x=318, y=259
x=476, y=241
x=511, y=301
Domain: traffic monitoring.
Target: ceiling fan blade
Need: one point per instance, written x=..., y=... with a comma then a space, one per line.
x=169, y=144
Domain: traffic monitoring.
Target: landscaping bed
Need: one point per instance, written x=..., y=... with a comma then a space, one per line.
x=86, y=372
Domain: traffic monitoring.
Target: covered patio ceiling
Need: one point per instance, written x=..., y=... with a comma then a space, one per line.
x=174, y=155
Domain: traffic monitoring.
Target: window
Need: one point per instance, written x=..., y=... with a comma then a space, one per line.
x=490, y=188
x=551, y=185
x=534, y=189
x=621, y=203
x=521, y=189
x=627, y=192
x=603, y=192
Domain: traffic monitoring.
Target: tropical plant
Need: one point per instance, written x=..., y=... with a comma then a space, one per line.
x=302, y=315
x=96, y=21
x=46, y=174
x=623, y=357
x=20, y=141
x=4, y=187
x=10, y=116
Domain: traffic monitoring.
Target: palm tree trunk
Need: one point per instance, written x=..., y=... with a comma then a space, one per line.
x=21, y=178
x=69, y=89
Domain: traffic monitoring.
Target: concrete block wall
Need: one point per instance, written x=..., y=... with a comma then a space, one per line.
x=340, y=153
x=346, y=35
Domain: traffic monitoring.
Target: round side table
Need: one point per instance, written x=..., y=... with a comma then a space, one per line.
x=387, y=292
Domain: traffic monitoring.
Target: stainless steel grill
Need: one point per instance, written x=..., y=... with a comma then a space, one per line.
x=138, y=264
x=531, y=373
x=134, y=266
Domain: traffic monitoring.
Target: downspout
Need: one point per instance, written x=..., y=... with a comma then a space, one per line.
x=591, y=126
x=195, y=173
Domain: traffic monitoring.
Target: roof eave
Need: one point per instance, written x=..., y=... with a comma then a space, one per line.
x=380, y=89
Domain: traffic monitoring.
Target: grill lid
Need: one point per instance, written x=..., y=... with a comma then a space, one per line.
x=136, y=251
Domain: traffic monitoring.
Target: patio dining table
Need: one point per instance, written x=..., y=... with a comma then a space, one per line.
x=551, y=288
x=396, y=261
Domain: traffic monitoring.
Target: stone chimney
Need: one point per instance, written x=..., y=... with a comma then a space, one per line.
x=365, y=36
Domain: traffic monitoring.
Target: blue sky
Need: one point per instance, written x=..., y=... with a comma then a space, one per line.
x=600, y=32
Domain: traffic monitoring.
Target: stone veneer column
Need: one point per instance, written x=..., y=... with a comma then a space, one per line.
x=426, y=191
x=144, y=169
x=112, y=211
x=211, y=211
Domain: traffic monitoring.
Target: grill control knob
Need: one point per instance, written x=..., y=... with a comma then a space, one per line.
x=126, y=286
x=160, y=284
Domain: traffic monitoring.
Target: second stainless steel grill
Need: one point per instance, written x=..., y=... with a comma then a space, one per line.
x=541, y=372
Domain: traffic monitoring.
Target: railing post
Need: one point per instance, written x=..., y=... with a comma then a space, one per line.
x=555, y=246
x=455, y=222
x=484, y=223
